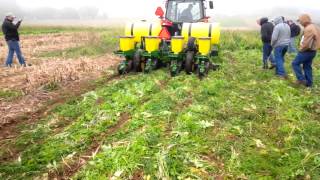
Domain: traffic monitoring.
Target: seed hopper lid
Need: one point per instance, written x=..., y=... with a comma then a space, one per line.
x=126, y=36
x=152, y=37
x=177, y=37
x=205, y=38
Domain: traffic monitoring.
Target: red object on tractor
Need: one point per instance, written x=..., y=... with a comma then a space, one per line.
x=159, y=12
x=165, y=34
x=165, y=22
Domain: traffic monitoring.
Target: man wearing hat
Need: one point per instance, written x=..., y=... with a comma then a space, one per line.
x=10, y=31
x=309, y=45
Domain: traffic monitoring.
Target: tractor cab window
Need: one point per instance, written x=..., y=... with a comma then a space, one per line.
x=184, y=11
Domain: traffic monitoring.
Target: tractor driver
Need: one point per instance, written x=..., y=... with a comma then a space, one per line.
x=186, y=15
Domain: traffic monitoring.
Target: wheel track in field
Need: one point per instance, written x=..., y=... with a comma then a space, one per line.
x=9, y=131
x=165, y=132
x=80, y=160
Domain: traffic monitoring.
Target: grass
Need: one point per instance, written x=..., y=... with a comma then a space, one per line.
x=240, y=122
x=38, y=30
x=9, y=94
x=106, y=42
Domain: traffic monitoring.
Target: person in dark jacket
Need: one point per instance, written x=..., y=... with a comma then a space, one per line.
x=10, y=31
x=295, y=32
x=266, y=34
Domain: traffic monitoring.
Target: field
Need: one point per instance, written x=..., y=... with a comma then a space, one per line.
x=241, y=122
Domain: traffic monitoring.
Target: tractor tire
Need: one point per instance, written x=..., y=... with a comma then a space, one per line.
x=136, y=65
x=191, y=46
x=130, y=66
x=189, y=64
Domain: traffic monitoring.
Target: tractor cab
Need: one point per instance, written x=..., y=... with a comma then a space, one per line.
x=185, y=11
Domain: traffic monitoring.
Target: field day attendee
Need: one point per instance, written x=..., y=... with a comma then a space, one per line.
x=266, y=34
x=10, y=31
x=309, y=45
x=186, y=14
x=280, y=41
x=295, y=32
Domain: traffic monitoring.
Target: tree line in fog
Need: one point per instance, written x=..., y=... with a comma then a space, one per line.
x=48, y=13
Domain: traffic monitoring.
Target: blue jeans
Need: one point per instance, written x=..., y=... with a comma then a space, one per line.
x=305, y=59
x=279, y=53
x=267, y=54
x=292, y=46
x=14, y=47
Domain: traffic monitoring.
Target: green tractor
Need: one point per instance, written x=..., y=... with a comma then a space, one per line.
x=182, y=39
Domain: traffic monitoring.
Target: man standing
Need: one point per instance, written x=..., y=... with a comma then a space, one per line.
x=295, y=32
x=266, y=34
x=309, y=45
x=280, y=42
x=186, y=15
x=10, y=30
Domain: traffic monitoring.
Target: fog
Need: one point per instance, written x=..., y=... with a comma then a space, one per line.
x=229, y=12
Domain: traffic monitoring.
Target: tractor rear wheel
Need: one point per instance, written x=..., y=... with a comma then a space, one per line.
x=189, y=64
x=137, y=61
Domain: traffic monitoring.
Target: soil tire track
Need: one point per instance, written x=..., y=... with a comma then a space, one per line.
x=69, y=170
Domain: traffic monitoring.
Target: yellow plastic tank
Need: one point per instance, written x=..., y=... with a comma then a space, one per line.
x=126, y=43
x=142, y=29
x=177, y=44
x=199, y=30
x=152, y=43
x=204, y=45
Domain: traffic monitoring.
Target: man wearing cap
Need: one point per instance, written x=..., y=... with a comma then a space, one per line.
x=309, y=45
x=10, y=31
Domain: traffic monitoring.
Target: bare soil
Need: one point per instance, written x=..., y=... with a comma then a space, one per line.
x=71, y=77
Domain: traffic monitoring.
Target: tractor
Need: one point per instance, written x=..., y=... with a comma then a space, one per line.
x=183, y=39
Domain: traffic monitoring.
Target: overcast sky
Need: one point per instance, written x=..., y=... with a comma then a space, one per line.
x=143, y=8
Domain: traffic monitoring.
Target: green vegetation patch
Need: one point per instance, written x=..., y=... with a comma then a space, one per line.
x=240, y=122
x=9, y=94
x=105, y=43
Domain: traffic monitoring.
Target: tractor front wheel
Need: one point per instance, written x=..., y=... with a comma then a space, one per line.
x=189, y=64
x=137, y=61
